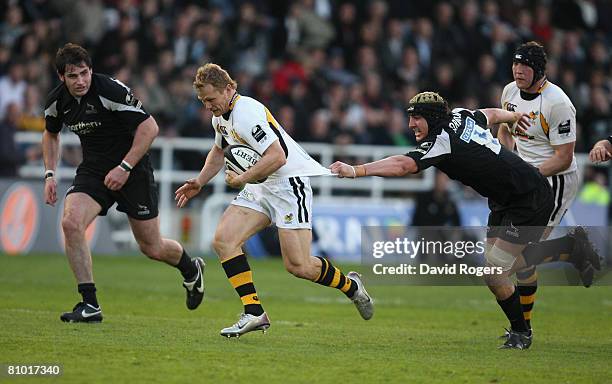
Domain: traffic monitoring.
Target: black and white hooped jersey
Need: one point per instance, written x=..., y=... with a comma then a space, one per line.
x=466, y=150
x=250, y=123
x=105, y=119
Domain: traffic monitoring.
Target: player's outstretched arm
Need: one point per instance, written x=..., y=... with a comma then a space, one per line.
x=518, y=122
x=212, y=166
x=602, y=151
x=393, y=166
x=50, y=149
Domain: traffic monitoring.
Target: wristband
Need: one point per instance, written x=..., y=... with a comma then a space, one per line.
x=49, y=173
x=125, y=166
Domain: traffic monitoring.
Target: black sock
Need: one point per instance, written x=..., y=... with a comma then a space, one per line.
x=549, y=250
x=512, y=308
x=88, y=292
x=187, y=267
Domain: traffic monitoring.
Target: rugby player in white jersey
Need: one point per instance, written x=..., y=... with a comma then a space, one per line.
x=283, y=199
x=548, y=144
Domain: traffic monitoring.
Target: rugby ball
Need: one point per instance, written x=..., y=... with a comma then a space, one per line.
x=239, y=158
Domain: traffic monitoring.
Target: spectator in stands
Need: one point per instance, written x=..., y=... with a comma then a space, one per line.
x=9, y=155
x=313, y=50
x=12, y=87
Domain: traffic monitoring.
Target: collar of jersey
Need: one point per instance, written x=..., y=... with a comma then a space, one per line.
x=233, y=101
x=531, y=96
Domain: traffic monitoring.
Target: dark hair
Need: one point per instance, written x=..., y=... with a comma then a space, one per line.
x=533, y=55
x=71, y=54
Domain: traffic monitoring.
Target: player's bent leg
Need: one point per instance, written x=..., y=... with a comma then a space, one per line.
x=504, y=256
x=527, y=284
x=295, y=248
x=80, y=210
x=574, y=248
x=148, y=237
x=236, y=225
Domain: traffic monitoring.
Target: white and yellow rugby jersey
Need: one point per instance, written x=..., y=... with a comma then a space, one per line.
x=553, y=121
x=250, y=123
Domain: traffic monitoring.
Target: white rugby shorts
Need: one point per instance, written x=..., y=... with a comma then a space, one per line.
x=286, y=201
x=565, y=189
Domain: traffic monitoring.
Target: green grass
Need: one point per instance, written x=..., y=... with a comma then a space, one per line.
x=418, y=335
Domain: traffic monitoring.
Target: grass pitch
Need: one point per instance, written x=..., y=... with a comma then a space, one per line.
x=418, y=334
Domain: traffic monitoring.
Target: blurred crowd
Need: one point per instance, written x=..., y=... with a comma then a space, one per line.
x=329, y=70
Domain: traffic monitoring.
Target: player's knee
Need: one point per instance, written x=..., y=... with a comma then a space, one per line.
x=499, y=258
x=72, y=227
x=300, y=270
x=223, y=243
x=297, y=270
x=152, y=251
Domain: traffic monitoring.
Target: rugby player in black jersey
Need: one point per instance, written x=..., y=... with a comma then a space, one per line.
x=116, y=133
x=520, y=198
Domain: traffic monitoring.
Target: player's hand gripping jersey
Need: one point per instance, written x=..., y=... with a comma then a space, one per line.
x=249, y=122
x=466, y=151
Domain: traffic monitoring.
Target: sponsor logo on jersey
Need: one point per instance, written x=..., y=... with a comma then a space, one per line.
x=90, y=109
x=511, y=107
x=82, y=128
x=466, y=135
x=564, y=127
x=258, y=134
x=534, y=115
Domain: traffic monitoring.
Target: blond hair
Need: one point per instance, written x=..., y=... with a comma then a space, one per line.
x=214, y=75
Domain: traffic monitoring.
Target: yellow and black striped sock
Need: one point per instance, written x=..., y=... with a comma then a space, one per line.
x=240, y=277
x=331, y=276
x=527, y=287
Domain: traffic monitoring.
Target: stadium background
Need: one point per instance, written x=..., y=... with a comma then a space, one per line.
x=336, y=74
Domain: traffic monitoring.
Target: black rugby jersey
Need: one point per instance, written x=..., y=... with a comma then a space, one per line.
x=105, y=119
x=466, y=151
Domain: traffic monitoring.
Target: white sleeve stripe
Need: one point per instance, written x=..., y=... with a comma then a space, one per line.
x=52, y=110
x=441, y=147
x=121, y=84
x=114, y=106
